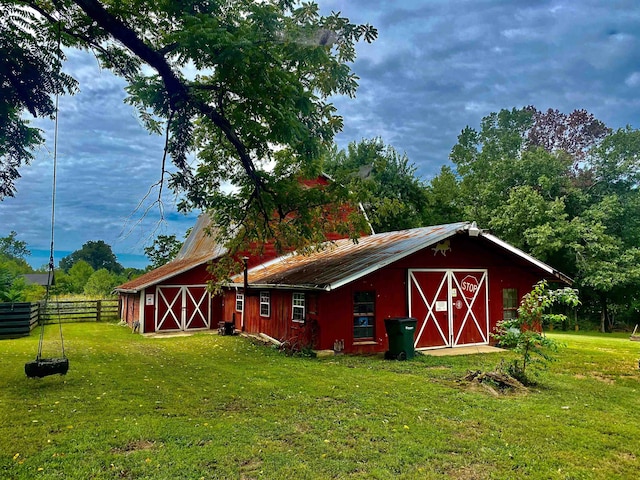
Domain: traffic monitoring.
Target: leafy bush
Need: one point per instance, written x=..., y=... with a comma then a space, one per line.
x=524, y=334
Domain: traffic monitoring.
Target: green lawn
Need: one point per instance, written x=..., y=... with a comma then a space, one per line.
x=221, y=407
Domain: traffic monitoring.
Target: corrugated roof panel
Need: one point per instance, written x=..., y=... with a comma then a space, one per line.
x=344, y=260
x=201, y=241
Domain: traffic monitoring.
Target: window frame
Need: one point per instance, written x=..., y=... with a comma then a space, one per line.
x=265, y=301
x=364, y=308
x=239, y=301
x=301, y=298
x=513, y=309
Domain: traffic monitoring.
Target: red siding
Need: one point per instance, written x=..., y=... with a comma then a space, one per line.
x=130, y=308
x=149, y=311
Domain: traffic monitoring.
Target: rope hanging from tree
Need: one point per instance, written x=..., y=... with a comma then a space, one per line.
x=42, y=367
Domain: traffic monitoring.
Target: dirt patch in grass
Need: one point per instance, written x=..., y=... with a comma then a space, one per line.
x=469, y=472
x=495, y=383
x=250, y=469
x=138, y=445
x=595, y=376
x=627, y=456
x=469, y=430
x=602, y=378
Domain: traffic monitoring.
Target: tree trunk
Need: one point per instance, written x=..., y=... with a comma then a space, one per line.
x=604, y=315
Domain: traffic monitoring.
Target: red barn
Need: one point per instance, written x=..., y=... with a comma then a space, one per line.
x=174, y=296
x=456, y=280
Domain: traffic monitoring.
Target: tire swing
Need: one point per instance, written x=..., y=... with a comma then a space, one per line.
x=42, y=367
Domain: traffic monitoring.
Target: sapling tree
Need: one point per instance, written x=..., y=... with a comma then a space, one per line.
x=524, y=334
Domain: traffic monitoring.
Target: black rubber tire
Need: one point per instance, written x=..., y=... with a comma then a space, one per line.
x=402, y=356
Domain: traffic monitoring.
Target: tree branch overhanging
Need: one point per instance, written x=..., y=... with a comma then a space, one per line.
x=177, y=89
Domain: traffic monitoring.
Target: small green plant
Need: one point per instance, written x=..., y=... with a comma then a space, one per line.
x=297, y=347
x=524, y=334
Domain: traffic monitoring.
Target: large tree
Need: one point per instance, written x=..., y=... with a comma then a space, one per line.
x=563, y=187
x=30, y=76
x=97, y=254
x=101, y=283
x=256, y=113
x=163, y=249
x=11, y=247
x=12, y=256
x=383, y=181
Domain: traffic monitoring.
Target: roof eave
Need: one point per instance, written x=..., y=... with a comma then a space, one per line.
x=516, y=251
x=279, y=286
x=126, y=290
x=169, y=275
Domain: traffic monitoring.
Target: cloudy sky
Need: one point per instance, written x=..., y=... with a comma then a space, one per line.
x=436, y=67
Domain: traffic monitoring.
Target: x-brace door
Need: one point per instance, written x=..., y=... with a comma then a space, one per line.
x=450, y=306
x=183, y=307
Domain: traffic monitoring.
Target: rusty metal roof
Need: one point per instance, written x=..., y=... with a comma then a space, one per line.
x=199, y=247
x=344, y=261
x=332, y=266
x=201, y=242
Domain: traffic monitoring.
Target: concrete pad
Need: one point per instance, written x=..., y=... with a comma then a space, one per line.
x=324, y=353
x=470, y=350
x=178, y=334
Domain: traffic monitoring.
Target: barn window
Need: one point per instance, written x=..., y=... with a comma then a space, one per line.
x=509, y=303
x=239, y=302
x=364, y=314
x=265, y=304
x=298, y=307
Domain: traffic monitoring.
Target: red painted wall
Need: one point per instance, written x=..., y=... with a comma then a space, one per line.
x=196, y=276
x=130, y=308
x=149, y=311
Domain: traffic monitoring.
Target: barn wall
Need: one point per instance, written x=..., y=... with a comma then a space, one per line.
x=504, y=269
x=279, y=323
x=196, y=276
x=130, y=308
x=336, y=310
x=149, y=310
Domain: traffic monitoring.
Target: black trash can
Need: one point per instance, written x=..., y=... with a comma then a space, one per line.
x=226, y=328
x=401, y=332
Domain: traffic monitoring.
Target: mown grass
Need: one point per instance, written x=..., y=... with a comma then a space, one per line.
x=221, y=407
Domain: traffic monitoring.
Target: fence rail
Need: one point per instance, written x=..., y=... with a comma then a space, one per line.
x=80, y=311
x=18, y=319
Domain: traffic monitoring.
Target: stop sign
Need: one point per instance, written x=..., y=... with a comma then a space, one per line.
x=469, y=286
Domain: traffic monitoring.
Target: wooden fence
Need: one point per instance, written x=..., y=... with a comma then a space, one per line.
x=80, y=311
x=18, y=319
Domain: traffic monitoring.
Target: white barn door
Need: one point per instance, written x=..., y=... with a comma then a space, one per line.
x=183, y=308
x=451, y=307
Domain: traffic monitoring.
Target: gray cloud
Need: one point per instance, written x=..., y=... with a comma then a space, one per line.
x=439, y=66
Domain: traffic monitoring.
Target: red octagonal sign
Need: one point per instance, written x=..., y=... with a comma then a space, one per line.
x=469, y=286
